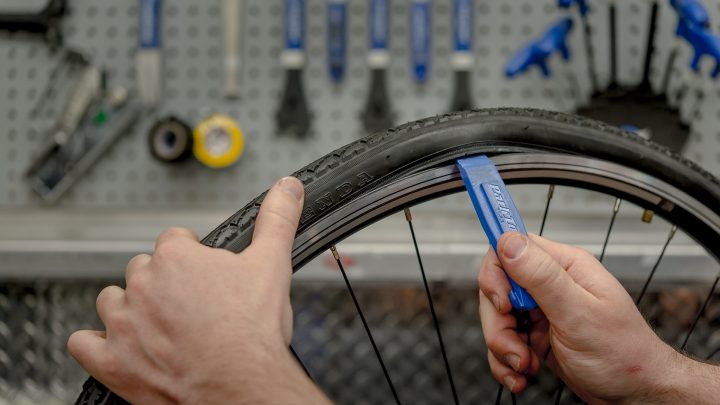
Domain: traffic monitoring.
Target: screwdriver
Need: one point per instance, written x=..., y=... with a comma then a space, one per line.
x=462, y=57
x=377, y=114
x=293, y=115
x=336, y=39
x=232, y=29
x=149, y=57
x=420, y=29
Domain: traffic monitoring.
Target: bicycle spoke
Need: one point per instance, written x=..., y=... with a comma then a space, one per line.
x=700, y=312
x=713, y=353
x=616, y=208
x=657, y=263
x=336, y=255
x=301, y=363
x=498, y=396
x=551, y=191
x=408, y=217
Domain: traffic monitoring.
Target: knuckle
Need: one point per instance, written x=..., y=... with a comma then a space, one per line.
x=543, y=273
x=118, y=322
x=584, y=254
x=104, y=296
x=166, y=250
x=137, y=284
x=494, y=342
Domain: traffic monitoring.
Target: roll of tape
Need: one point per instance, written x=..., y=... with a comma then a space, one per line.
x=219, y=141
x=170, y=140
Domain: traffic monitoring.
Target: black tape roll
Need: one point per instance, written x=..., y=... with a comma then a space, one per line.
x=171, y=140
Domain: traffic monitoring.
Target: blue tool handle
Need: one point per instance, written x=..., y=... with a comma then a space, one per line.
x=703, y=43
x=420, y=38
x=582, y=5
x=536, y=52
x=496, y=211
x=379, y=24
x=463, y=11
x=149, y=24
x=294, y=24
x=337, y=39
x=692, y=11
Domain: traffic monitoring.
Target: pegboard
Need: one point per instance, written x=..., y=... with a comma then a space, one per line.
x=128, y=177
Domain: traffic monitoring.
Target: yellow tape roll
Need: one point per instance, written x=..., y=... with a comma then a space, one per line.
x=219, y=141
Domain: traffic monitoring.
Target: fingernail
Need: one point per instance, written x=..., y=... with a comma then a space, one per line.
x=496, y=302
x=513, y=360
x=510, y=382
x=292, y=186
x=515, y=246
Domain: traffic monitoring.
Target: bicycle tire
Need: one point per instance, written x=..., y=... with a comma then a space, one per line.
x=371, y=162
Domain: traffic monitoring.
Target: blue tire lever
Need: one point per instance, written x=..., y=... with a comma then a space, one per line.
x=497, y=212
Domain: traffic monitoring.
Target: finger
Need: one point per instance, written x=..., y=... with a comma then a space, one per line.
x=502, y=338
x=175, y=234
x=581, y=265
x=547, y=282
x=278, y=218
x=110, y=299
x=494, y=283
x=135, y=265
x=513, y=381
x=89, y=348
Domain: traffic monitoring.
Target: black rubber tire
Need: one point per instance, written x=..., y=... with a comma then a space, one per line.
x=370, y=162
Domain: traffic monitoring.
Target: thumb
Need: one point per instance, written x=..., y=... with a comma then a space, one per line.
x=541, y=275
x=279, y=215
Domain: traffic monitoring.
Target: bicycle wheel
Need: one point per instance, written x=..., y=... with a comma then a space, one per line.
x=383, y=173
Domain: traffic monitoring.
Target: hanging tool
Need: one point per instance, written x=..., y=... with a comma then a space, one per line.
x=377, y=114
x=645, y=87
x=612, y=24
x=337, y=39
x=84, y=92
x=149, y=55
x=690, y=13
x=170, y=140
x=537, y=51
x=420, y=29
x=66, y=160
x=218, y=141
x=703, y=43
x=584, y=10
x=462, y=56
x=496, y=211
x=44, y=22
x=232, y=30
x=583, y=7
x=293, y=114
x=71, y=63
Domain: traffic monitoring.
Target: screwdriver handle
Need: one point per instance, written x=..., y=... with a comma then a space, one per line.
x=293, y=56
x=420, y=29
x=337, y=38
x=379, y=29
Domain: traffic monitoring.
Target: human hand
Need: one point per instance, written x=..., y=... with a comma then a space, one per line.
x=202, y=325
x=602, y=347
